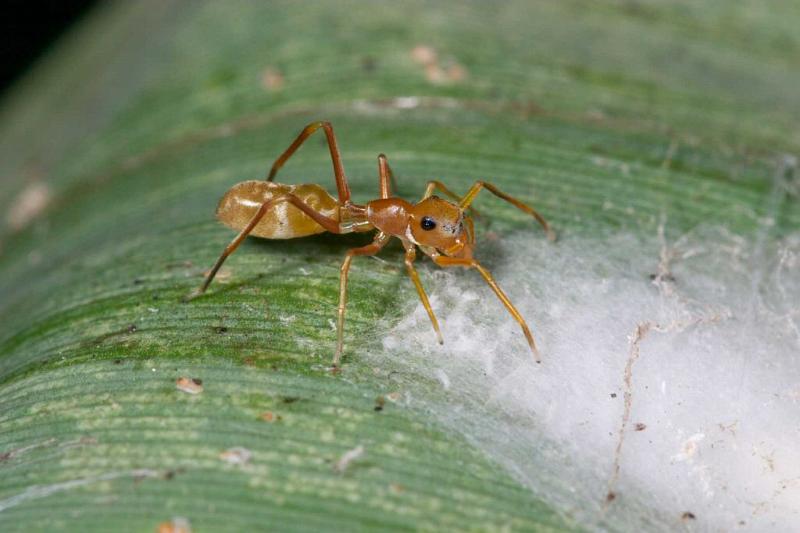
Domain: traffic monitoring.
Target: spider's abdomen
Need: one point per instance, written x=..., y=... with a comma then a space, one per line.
x=282, y=220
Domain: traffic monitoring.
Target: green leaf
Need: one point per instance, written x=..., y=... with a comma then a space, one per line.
x=605, y=116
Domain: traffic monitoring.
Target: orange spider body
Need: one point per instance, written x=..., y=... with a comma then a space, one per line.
x=440, y=228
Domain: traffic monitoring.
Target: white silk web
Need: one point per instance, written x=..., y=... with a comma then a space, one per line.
x=669, y=393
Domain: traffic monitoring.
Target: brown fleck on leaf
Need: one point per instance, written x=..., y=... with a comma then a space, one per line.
x=456, y=73
x=380, y=401
x=236, y=455
x=435, y=74
x=640, y=426
x=423, y=54
x=269, y=416
x=176, y=525
x=688, y=515
x=272, y=79
x=189, y=385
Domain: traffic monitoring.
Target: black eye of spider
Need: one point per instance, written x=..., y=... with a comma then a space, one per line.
x=427, y=223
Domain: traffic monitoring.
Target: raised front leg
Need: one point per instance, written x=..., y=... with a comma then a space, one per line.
x=371, y=249
x=476, y=188
x=338, y=169
x=433, y=185
x=386, y=177
x=445, y=261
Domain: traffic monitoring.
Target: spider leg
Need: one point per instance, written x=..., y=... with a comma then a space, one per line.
x=370, y=249
x=476, y=188
x=434, y=185
x=386, y=177
x=412, y=272
x=445, y=261
x=338, y=168
x=329, y=224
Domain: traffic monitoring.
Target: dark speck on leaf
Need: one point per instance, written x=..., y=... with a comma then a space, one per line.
x=132, y=328
x=610, y=497
x=290, y=399
x=117, y=361
x=688, y=515
x=613, y=394
x=369, y=64
x=668, y=277
x=380, y=401
x=640, y=427
x=197, y=381
x=221, y=329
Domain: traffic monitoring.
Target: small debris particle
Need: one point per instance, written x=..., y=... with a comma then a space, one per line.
x=28, y=205
x=249, y=361
x=393, y=396
x=424, y=55
x=369, y=64
x=176, y=525
x=380, y=401
x=290, y=399
x=434, y=74
x=117, y=361
x=221, y=329
x=236, y=455
x=272, y=79
x=189, y=385
x=689, y=448
x=456, y=72
x=613, y=394
x=347, y=458
x=131, y=328
x=688, y=515
x=662, y=277
x=640, y=426
x=269, y=416
x=610, y=497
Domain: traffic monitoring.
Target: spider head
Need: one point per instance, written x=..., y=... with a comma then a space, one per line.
x=442, y=225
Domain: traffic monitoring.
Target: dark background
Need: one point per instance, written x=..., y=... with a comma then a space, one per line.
x=27, y=30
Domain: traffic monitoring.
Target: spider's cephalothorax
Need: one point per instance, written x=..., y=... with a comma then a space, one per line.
x=433, y=224
x=440, y=228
